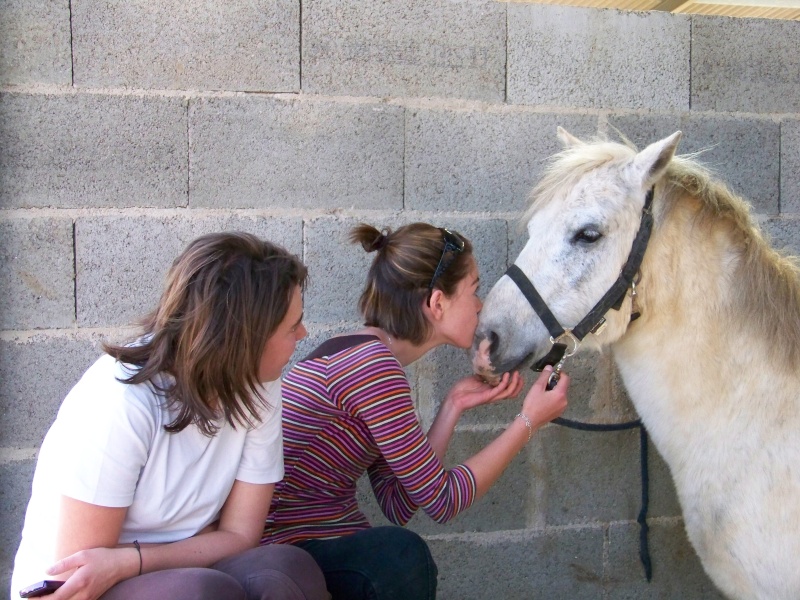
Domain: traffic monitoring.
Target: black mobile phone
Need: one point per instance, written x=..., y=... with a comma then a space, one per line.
x=40, y=588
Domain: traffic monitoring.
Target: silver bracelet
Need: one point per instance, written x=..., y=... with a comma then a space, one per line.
x=527, y=424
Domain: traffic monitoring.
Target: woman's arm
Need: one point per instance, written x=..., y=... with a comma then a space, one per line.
x=411, y=474
x=87, y=537
x=540, y=407
x=241, y=526
x=414, y=476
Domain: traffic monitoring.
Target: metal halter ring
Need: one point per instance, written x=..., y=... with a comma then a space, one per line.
x=567, y=335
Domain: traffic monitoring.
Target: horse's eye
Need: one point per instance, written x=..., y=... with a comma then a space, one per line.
x=588, y=235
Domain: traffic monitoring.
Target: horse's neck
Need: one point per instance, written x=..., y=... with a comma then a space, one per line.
x=690, y=368
x=687, y=277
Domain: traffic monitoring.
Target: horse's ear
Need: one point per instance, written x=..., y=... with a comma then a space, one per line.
x=567, y=139
x=651, y=162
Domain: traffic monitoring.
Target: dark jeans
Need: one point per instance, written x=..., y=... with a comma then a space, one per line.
x=381, y=563
x=275, y=572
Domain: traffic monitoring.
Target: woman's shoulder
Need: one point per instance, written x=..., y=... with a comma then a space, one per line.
x=101, y=390
x=347, y=345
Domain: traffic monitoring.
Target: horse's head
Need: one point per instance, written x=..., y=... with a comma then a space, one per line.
x=584, y=216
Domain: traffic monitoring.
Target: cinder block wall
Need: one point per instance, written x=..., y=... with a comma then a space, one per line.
x=129, y=128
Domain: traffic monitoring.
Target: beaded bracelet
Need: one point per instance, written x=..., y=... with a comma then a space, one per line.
x=527, y=424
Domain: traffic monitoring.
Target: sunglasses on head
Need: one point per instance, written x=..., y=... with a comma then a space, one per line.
x=453, y=244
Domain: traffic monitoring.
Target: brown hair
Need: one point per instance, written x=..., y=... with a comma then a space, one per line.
x=399, y=278
x=224, y=296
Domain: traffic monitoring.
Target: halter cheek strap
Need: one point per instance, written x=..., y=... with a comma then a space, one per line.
x=539, y=305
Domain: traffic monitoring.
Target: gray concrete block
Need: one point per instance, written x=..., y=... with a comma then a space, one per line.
x=338, y=269
x=244, y=46
x=256, y=152
x=121, y=261
x=35, y=375
x=35, y=42
x=741, y=151
x=784, y=234
x=584, y=57
x=677, y=573
x=589, y=476
x=405, y=48
x=480, y=161
x=790, y=166
x=438, y=371
x=90, y=150
x=488, y=238
x=36, y=273
x=747, y=65
x=663, y=496
x=563, y=564
x=511, y=501
x=14, y=495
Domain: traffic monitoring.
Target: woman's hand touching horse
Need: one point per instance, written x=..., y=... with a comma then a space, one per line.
x=472, y=391
x=465, y=394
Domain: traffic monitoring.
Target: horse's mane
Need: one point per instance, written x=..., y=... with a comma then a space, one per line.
x=766, y=296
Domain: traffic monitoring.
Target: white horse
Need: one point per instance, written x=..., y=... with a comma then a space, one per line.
x=713, y=364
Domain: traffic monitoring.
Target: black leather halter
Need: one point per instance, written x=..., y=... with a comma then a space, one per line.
x=592, y=322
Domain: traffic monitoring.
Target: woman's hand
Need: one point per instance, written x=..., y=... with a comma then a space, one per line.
x=465, y=394
x=472, y=391
x=542, y=406
x=94, y=572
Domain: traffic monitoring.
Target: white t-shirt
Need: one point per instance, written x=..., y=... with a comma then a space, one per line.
x=108, y=447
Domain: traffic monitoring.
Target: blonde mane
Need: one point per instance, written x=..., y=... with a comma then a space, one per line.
x=767, y=295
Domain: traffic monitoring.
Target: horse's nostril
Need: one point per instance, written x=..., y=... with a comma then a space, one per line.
x=494, y=340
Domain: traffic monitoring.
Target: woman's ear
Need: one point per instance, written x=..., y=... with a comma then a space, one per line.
x=435, y=308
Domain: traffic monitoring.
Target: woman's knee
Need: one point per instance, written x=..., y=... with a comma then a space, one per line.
x=413, y=571
x=411, y=549
x=179, y=584
x=209, y=584
x=277, y=572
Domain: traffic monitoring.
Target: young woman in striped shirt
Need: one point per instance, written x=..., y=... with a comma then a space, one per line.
x=347, y=409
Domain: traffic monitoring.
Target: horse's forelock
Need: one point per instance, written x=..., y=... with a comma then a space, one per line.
x=565, y=169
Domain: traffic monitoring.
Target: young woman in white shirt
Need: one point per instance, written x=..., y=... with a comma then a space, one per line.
x=156, y=476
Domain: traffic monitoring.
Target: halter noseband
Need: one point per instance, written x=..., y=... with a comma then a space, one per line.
x=594, y=320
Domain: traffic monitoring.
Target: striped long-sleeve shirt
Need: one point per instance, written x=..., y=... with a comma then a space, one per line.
x=347, y=408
